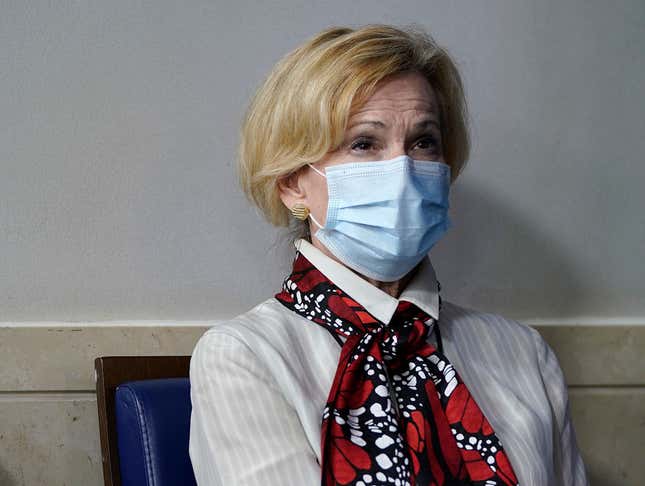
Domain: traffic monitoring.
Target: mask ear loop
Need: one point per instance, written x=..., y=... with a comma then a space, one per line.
x=311, y=215
x=314, y=220
x=317, y=171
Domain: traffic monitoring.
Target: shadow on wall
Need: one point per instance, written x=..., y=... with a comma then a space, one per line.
x=493, y=259
x=598, y=480
x=603, y=478
x=6, y=479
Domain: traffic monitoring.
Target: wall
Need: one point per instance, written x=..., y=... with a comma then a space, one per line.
x=118, y=125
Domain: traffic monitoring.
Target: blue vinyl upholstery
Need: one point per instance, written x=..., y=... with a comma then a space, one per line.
x=153, y=422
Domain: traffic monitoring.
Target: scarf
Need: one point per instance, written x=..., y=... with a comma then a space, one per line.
x=397, y=412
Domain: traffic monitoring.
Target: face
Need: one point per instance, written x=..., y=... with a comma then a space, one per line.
x=400, y=118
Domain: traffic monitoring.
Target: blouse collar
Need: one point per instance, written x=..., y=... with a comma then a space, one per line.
x=421, y=290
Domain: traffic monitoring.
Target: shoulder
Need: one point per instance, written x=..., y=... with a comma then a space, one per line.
x=263, y=334
x=516, y=350
x=474, y=319
x=235, y=345
x=515, y=343
x=258, y=323
x=461, y=322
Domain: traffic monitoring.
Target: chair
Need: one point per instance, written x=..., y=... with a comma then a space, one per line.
x=144, y=416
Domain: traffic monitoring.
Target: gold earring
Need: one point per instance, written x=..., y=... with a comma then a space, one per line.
x=300, y=211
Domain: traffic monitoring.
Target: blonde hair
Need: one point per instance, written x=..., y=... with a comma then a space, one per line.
x=300, y=112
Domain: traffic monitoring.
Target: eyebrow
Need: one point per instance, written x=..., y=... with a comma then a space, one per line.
x=380, y=124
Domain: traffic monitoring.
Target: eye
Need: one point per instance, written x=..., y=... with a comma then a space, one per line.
x=362, y=144
x=428, y=142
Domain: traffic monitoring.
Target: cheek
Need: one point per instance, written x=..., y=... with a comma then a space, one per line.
x=317, y=198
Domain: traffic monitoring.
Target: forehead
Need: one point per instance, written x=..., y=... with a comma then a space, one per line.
x=406, y=92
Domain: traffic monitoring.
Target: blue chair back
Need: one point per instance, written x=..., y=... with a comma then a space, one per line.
x=153, y=423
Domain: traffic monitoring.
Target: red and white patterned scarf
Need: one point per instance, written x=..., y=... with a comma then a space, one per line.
x=432, y=434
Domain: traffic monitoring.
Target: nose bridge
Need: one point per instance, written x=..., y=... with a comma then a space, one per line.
x=396, y=148
x=398, y=140
x=395, y=154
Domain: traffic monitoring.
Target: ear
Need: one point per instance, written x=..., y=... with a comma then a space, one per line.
x=291, y=190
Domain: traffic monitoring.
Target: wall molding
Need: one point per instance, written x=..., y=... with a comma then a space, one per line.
x=61, y=358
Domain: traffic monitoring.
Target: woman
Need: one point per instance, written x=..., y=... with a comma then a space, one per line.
x=357, y=372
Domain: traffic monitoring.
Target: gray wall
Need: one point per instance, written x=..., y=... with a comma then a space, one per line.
x=118, y=124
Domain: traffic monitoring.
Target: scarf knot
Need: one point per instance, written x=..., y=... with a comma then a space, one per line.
x=397, y=411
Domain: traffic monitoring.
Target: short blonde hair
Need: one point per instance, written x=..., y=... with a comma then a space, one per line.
x=300, y=112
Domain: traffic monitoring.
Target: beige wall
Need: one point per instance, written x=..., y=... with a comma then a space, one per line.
x=49, y=426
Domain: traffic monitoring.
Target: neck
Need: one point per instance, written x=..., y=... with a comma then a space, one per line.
x=392, y=288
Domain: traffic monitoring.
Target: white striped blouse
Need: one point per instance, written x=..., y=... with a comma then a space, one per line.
x=260, y=381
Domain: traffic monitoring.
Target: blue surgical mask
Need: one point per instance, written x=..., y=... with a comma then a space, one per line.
x=383, y=217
